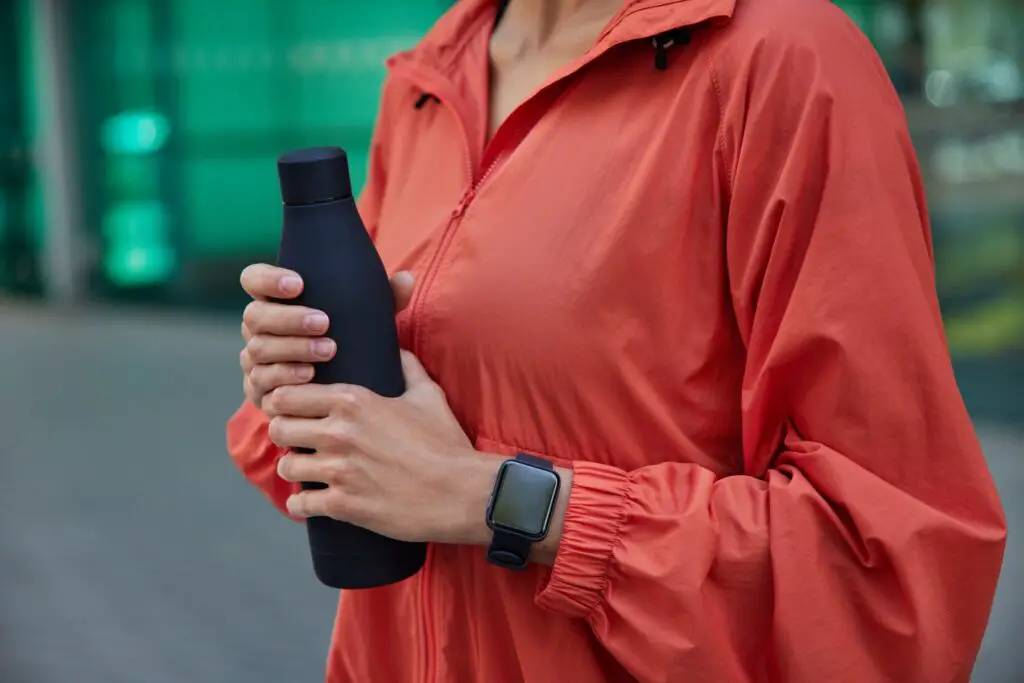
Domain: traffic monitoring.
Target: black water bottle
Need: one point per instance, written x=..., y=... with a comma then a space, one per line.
x=324, y=240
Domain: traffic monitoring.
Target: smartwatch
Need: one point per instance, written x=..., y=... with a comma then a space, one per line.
x=520, y=509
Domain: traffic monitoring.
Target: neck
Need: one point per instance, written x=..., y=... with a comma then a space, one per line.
x=534, y=22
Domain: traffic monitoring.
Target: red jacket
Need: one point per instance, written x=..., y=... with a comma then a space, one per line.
x=708, y=288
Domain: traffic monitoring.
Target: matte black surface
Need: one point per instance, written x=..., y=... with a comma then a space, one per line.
x=314, y=175
x=327, y=244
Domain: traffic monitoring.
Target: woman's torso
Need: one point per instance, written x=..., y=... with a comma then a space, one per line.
x=573, y=301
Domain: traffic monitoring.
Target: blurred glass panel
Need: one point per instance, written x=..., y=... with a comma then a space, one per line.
x=139, y=252
x=21, y=216
x=188, y=103
x=135, y=132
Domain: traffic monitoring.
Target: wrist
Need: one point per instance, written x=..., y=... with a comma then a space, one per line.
x=475, y=483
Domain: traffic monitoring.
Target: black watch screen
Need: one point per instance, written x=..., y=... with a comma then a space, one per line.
x=523, y=500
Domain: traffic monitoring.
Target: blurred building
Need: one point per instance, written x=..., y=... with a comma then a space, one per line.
x=138, y=139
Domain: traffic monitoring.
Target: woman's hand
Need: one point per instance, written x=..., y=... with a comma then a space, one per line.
x=402, y=467
x=283, y=341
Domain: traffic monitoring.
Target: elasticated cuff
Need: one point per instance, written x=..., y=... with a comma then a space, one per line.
x=593, y=521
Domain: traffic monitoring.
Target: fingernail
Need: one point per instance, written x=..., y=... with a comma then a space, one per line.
x=404, y=278
x=315, y=322
x=323, y=348
x=290, y=284
x=304, y=373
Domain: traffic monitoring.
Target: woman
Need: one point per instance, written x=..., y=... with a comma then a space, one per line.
x=679, y=249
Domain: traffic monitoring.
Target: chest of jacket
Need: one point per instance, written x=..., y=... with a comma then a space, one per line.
x=574, y=291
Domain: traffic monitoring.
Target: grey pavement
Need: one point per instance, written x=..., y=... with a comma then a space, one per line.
x=132, y=551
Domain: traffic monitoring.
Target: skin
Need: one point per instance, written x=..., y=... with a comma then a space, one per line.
x=402, y=467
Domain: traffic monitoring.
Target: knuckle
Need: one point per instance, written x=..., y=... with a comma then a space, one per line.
x=342, y=470
x=246, y=277
x=352, y=399
x=250, y=316
x=254, y=277
x=257, y=349
x=337, y=472
x=276, y=431
x=271, y=403
x=341, y=506
x=278, y=400
x=285, y=467
x=260, y=378
x=338, y=433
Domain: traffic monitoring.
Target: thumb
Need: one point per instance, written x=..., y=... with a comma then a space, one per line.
x=413, y=370
x=402, y=284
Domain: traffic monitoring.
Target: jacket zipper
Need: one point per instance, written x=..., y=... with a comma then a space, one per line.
x=416, y=305
x=415, y=311
x=454, y=220
x=438, y=87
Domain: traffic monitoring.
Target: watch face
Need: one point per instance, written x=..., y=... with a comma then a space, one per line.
x=523, y=499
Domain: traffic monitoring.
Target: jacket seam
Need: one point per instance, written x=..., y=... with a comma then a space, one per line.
x=716, y=87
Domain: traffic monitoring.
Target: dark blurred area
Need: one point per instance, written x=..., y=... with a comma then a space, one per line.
x=137, y=177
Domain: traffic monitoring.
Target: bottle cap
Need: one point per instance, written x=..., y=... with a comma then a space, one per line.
x=314, y=175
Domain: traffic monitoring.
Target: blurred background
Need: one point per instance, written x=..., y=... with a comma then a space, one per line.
x=137, y=177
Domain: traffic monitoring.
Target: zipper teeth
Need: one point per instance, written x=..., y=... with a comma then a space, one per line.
x=431, y=274
x=416, y=305
x=494, y=164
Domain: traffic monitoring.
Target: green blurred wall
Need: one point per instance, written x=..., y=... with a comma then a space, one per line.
x=22, y=218
x=217, y=89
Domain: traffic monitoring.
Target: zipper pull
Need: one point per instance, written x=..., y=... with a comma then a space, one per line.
x=467, y=198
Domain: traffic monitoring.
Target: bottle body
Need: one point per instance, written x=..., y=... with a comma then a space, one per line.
x=327, y=244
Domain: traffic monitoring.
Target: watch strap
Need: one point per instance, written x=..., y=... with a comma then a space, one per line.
x=508, y=550
x=533, y=460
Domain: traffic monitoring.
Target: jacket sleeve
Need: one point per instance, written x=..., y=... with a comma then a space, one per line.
x=863, y=541
x=247, y=440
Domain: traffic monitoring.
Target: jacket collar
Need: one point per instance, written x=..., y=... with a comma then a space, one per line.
x=441, y=48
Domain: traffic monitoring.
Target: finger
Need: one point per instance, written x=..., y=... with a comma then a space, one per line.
x=402, y=284
x=262, y=281
x=246, y=333
x=296, y=432
x=264, y=349
x=246, y=361
x=265, y=378
x=313, y=503
x=413, y=370
x=283, y=320
x=310, y=400
x=296, y=467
